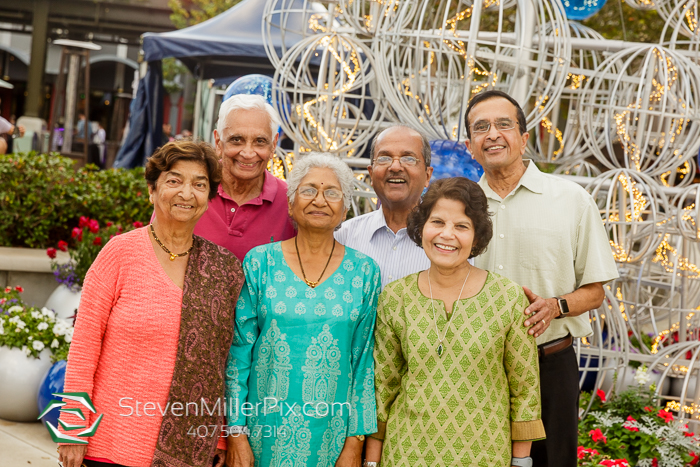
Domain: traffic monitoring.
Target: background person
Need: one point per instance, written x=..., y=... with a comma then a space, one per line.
x=400, y=171
x=305, y=334
x=550, y=239
x=456, y=371
x=154, y=326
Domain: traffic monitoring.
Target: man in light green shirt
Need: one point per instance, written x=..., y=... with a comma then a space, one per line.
x=549, y=238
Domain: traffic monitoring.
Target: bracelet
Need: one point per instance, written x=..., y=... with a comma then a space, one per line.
x=239, y=430
x=370, y=464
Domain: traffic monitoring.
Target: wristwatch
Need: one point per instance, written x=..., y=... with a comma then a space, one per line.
x=563, y=307
x=238, y=430
x=521, y=461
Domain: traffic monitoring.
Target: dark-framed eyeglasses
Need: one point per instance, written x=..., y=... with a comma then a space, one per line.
x=484, y=126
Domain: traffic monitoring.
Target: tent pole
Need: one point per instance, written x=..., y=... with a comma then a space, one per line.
x=197, y=108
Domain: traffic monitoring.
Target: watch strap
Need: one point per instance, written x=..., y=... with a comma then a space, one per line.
x=521, y=461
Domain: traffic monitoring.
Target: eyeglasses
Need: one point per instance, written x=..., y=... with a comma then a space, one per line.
x=484, y=126
x=309, y=192
x=405, y=161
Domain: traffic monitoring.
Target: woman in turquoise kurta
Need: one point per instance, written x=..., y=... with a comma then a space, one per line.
x=300, y=373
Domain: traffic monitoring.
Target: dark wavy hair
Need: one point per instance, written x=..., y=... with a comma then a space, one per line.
x=173, y=152
x=475, y=207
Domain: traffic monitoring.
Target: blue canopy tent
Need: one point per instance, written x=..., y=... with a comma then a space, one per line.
x=227, y=45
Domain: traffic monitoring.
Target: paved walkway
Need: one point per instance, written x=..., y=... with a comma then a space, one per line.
x=25, y=445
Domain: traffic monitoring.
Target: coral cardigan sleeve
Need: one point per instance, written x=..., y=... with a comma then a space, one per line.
x=100, y=292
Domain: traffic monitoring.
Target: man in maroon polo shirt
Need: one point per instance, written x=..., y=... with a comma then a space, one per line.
x=250, y=208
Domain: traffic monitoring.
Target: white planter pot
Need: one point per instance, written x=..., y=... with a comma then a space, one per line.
x=20, y=377
x=63, y=301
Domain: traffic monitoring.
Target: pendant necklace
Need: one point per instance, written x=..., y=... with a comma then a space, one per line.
x=172, y=255
x=313, y=284
x=440, y=347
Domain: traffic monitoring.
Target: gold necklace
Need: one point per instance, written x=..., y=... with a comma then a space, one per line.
x=312, y=284
x=440, y=348
x=172, y=255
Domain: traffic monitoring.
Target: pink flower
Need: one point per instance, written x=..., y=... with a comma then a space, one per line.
x=601, y=394
x=83, y=222
x=63, y=246
x=77, y=233
x=19, y=289
x=597, y=435
x=667, y=416
x=138, y=224
x=93, y=225
x=51, y=252
x=629, y=425
x=97, y=241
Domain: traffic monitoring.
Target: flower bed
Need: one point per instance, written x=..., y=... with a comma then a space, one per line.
x=43, y=196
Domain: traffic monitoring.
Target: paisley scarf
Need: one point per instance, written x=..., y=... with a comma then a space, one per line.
x=213, y=280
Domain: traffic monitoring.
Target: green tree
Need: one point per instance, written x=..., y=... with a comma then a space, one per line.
x=189, y=12
x=638, y=26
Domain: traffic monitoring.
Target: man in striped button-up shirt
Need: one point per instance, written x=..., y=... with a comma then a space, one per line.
x=400, y=170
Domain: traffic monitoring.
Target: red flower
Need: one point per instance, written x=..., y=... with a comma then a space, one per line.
x=629, y=333
x=51, y=252
x=97, y=241
x=77, y=233
x=648, y=409
x=581, y=452
x=688, y=434
x=667, y=416
x=138, y=193
x=628, y=425
x=138, y=224
x=601, y=394
x=94, y=226
x=597, y=435
x=654, y=462
x=615, y=463
x=109, y=224
x=19, y=289
x=8, y=289
x=63, y=246
x=83, y=222
x=695, y=460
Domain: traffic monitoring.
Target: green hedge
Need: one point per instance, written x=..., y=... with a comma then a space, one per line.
x=43, y=196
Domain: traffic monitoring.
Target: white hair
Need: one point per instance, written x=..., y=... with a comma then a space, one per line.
x=320, y=160
x=246, y=102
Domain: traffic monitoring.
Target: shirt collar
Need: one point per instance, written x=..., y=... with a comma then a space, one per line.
x=532, y=179
x=269, y=190
x=377, y=220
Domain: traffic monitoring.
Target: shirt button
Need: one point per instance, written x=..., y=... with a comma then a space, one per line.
x=503, y=206
x=233, y=209
x=390, y=277
x=502, y=236
x=500, y=266
x=394, y=247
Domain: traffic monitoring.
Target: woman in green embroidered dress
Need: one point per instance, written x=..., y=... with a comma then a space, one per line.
x=300, y=373
x=457, y=377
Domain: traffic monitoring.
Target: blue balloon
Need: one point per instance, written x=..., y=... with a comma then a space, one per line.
x=579, y=10
x=259, y=85
x=52, y=383
x=452, y=159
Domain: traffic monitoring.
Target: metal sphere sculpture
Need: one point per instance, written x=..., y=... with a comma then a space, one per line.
x=453, y=49
x=631, y=206
x=645, y=117
x=329, y=80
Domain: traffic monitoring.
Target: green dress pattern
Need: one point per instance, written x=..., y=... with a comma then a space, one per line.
x=464, y=407
x=300, y=371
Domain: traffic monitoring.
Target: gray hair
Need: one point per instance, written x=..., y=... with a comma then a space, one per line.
x=423, y=139
x=246, y=102
x=320, y=160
